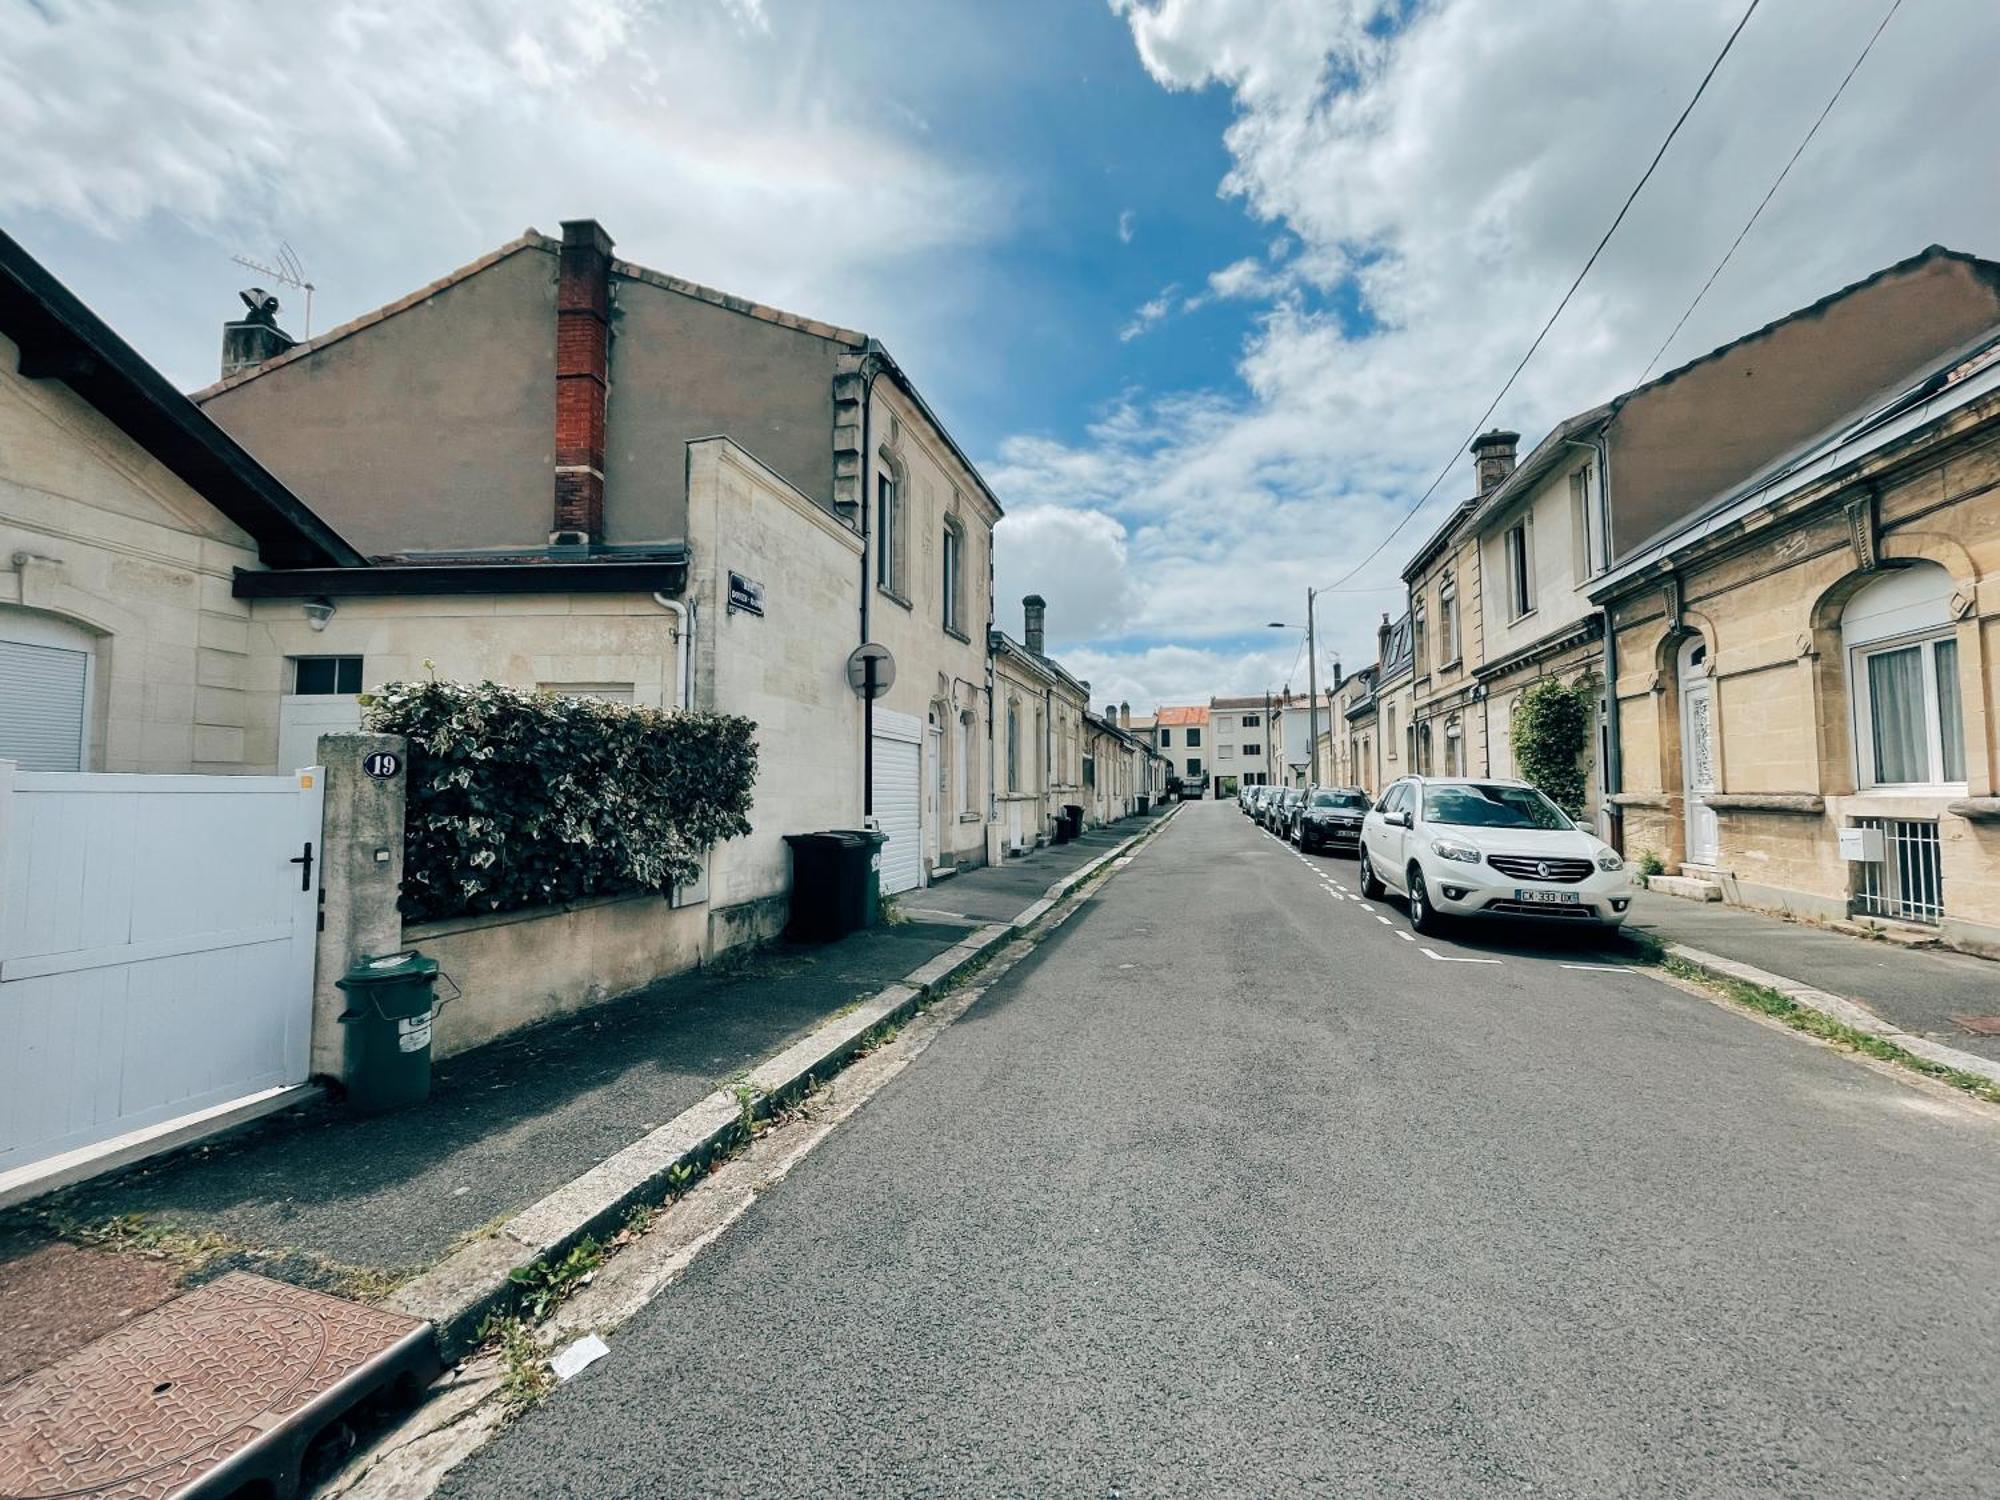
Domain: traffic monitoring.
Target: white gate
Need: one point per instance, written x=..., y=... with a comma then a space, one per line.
x=156, y=949
x=899, y=798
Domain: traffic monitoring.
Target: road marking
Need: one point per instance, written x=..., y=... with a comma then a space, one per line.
x=1366, y=907
x=1445, y=958
x=1601, y=968
x=1383, y=920
x=1406, y=937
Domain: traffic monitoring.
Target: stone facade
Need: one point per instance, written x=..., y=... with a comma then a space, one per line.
x=1763, y=611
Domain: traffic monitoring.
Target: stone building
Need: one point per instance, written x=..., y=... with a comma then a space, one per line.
x=1039, y=735
x=1808, y=670
x=739, y=496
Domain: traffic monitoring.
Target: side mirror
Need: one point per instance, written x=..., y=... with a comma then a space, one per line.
x=1402, y=820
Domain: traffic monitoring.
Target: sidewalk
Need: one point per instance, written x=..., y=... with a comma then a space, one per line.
x=355, y=1206
x=1918, y=990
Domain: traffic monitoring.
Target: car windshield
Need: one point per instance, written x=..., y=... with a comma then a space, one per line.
x=1482, y=805
x=1352, y=800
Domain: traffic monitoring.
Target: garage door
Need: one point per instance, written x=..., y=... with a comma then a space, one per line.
x=898, y=798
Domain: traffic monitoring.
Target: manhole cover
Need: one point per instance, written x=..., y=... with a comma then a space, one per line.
x=231, y=1370
x=1978, y=1025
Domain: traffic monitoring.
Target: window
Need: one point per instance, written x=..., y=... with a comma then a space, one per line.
x=1194, y=765
x=324, y=676
x=1193, y=739
x=1448, y=620
x=1420, y=645
x=1586, y=522
x=1520, y=571
x=1496, y=806
x=1389, y=732
x=1250, y=751
x=46, y=666
x=1909, y=720
x=1252, y=721
x=1227, y=752
x=889, y=534
x=967, y=779
x=954, y=569
x=1013, y=746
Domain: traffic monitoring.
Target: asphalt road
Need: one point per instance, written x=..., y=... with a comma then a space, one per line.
x=1232, y=1189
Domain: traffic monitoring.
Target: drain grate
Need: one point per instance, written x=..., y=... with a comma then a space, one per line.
x=207, y=1394
x=1978, y=1025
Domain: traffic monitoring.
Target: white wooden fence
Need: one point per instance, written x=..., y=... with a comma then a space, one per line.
x=156, y=949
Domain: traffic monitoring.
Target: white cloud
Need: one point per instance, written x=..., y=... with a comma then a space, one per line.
x=1449, y=177
x=1151, y=314
x=1125, y=222
x=1075, y=559
x=389, y=142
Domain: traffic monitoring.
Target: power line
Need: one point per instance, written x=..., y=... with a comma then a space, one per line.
x=1777, y=182
x=1624, y=208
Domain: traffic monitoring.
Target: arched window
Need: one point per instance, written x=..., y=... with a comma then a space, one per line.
x=1902, y=673
x=954, y=575
x=889, y=528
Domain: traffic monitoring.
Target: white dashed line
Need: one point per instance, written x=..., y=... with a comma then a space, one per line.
x=1406, y=937
x=1600, y=968
x=1444, y=958
x=1366, y=907
x=1383, y=920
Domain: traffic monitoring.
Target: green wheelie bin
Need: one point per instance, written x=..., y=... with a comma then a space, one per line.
x=390, y=1007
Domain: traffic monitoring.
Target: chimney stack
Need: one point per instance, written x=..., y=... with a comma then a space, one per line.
x=1382, y=642
x=1124, y=716
x=583, y=379
x=1493, y=458
x=248, y=342
x=1033, y=609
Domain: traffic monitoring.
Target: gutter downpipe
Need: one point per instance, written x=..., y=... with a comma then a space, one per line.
x=684, y=627
x=873, y=369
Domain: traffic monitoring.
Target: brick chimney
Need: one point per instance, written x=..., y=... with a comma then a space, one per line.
x=1033, y=608
x=583, y=377
x=1124, y=716
x=1493, y=458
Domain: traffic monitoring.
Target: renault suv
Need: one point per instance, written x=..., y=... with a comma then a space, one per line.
x=1481, y=847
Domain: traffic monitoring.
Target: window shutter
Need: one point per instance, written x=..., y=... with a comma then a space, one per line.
x=44, y=689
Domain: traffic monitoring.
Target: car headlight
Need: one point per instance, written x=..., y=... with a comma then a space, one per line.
x=1609, y=861
x=1464, y=853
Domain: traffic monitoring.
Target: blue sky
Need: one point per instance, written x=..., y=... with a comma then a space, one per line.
x=1210, y=288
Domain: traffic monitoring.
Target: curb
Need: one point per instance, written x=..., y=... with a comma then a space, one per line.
x=456, y=1295
x=1847, y=1012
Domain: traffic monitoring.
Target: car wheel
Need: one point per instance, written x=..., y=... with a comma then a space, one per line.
x=1423, y=916
x=1371, y=887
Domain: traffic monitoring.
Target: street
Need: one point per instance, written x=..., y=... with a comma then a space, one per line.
x=1236, y=1187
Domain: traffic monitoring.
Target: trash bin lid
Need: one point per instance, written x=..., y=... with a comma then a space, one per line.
x=863, y=835
x=389, y=968
x=826, y=838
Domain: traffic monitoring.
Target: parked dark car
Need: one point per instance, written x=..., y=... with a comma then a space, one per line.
x=1331, y=819
x=1278, y=810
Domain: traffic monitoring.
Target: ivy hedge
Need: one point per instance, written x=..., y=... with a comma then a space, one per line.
x=519, y=798
x=1549, y=732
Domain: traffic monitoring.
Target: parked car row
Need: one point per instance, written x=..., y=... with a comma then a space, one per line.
x=1454, y=846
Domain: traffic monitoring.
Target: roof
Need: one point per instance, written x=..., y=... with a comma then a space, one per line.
x=1437, y=539
x=1001, y=642
x=59, y=338
x=1255, y=700
x=534, y=239
x=1175, y=718
x=1547, y=454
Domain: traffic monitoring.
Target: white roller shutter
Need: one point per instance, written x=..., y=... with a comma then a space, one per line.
x=44, y=699
x=899, y=798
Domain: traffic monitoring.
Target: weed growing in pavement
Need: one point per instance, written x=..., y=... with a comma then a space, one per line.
x=1767, y=1001
x=747, y=1100
x=893, y=914
x=1650, y=865
x=542, y=1286
x=525, y=1377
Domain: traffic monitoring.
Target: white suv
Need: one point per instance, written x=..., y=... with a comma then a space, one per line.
x=1481, y=847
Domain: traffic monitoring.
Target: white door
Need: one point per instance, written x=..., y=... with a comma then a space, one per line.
x=156, y=949
x=934, y=794
x=1698, y=772
x=899, y=798
x=303, y=719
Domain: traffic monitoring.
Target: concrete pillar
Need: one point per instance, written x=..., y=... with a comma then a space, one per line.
x=361, y=875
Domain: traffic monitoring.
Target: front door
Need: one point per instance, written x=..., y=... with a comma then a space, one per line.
x=934, y=801
x=1698, y=761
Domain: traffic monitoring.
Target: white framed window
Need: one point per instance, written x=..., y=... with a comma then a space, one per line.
x=325, y=676
x=47, y=677
x=1225, y=752
x=1448, y=620
x=1420, y=646
x=1902, y=675
x=889, y=534
x=954, y=572
x=1013, y=746
x=1520, y=569
x=1389, y=732
x=1166, y=739
x=1586, y=525
x=967, y=777
x=1252, y=721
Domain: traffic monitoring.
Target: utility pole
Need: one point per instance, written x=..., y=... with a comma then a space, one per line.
x=1312, y=694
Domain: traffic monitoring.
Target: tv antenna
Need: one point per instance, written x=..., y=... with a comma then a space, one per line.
x=289, y=271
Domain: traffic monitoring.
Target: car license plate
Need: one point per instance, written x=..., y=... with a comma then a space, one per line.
x=1549, y=898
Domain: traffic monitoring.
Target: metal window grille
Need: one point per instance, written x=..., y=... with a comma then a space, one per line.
x=1908, y=883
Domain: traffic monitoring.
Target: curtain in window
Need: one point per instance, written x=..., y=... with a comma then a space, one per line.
x=1951, y=725
x=1896, y=706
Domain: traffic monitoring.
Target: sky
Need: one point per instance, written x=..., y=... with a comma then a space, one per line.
x=1210, y=289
